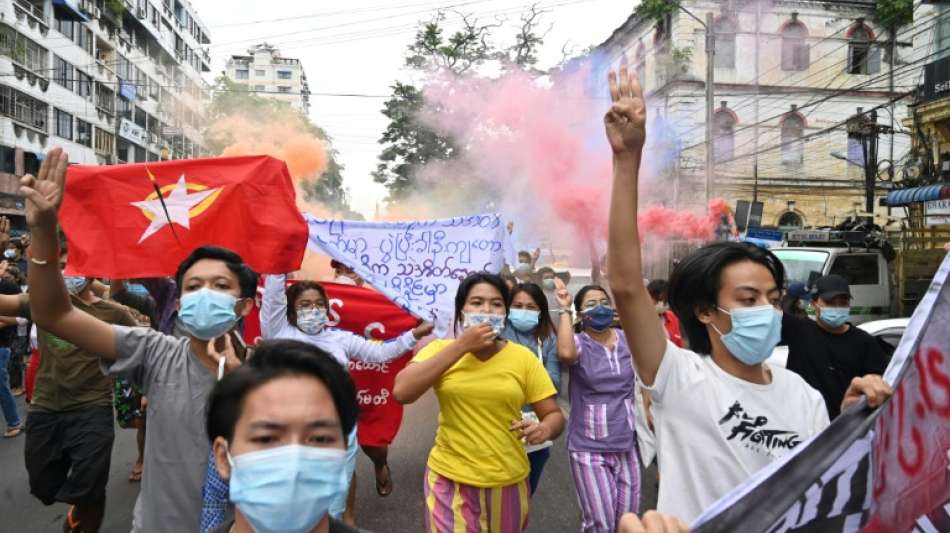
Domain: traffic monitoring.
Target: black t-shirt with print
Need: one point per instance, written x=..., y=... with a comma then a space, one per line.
x=827, y=361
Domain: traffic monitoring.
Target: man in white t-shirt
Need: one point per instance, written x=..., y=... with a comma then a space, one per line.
x=720, y=417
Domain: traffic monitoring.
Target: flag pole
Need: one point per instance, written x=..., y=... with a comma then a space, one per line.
x=161, y=200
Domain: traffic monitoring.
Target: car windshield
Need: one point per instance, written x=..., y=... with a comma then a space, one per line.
x=799, y=264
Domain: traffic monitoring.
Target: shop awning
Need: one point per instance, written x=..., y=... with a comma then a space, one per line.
x=927, y=193
x=68, y=10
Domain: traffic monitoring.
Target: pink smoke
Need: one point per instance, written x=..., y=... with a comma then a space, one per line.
x=544, y=147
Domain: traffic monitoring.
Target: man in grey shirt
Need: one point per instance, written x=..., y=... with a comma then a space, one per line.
x=215, y=288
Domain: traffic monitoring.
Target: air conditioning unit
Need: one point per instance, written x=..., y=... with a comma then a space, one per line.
x=96, y=13
x=141, y=13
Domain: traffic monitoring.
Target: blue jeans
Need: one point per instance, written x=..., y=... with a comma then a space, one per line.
x=7, y=402
x=537, y=460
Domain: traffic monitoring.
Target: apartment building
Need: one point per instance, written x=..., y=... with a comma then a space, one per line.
x=110, y=81
x=265, y=72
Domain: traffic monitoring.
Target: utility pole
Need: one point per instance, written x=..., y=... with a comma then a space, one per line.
x=864, y=127
x=710, y=103
x=755, y=125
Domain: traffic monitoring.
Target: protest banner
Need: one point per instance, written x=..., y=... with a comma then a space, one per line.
x=370, y=314
x=417, y=265
x=872, y=471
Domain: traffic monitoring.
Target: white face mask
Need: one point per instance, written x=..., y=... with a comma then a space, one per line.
x=344, y=280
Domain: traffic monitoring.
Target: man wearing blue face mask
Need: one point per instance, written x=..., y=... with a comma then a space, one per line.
x=829, y=352
x=176, y=374
x=278, y=430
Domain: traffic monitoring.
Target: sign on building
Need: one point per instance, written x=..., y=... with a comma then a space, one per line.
x=131, y=131
x=937, y=212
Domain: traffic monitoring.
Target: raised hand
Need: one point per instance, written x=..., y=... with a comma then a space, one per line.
x=561, y=293
x=227, y=358
x=423, y=329
x=4, y=232
x=44, y=192
x=627, y=119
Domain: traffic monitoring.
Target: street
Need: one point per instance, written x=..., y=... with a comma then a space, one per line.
x=554, y=507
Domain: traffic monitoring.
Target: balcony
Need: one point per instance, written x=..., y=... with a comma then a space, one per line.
x=32, y=14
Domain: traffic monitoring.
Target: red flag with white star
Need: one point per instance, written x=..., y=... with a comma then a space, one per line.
x=118, y=226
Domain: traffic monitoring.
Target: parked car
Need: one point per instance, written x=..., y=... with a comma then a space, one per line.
x=887, y=332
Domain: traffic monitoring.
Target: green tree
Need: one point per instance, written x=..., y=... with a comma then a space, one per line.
x=893, y=14
x=656, y=9
x=233, y=99
x=408, y=143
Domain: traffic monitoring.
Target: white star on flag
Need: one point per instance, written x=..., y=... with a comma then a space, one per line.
x=179, y=203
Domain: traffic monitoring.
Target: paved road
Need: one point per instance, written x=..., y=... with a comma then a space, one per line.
x=554, y=507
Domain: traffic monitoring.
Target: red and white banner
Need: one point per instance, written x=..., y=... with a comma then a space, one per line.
x=369, y=314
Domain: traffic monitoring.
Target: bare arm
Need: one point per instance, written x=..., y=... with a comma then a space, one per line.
x=626, y=131
x=7, y=321
x=566, y=347
x=596, y=277
x=49, y=301
x=551, y=423
x=414, y=380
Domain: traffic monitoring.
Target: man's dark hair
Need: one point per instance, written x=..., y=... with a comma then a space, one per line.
x=246, y=277
x=545, y=270
x=695, y=283
x=545, y=325
x=294, y=292
x=276, y=359
x=472, y=280
x=658, y=288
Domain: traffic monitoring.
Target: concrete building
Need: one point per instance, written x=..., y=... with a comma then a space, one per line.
x=787, y=77
x=925, y=191
x=111, y=81
x=264, y=72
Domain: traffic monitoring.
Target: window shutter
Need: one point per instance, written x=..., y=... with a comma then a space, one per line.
x=802, y=56
x=874, y=60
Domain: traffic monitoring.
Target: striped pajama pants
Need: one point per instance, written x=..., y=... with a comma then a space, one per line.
x=608, y=485
x=453, y=507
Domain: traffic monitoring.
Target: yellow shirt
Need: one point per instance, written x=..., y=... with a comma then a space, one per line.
x=477, y=403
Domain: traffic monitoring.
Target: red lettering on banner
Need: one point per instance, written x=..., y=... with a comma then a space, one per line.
x=916, y=419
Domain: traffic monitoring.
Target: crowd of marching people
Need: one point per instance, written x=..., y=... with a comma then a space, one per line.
x=262, y=438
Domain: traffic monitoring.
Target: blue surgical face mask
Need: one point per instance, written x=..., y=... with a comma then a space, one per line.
x=834, y=317
x=524, y=320
x=755, y=333
x=287, y=489
x=497, y=322
x=207, y=314
x=75, y=284
x=523, y=268
x=598, y=318
x=311, y=321
x=548, y=284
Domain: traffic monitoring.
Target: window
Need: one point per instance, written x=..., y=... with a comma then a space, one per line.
x=793, y=150
x=863, y=57
x=64, y=124
x=858, y=269
x=62, y=72
x=105, y=98
x=24, y=51
x=799, y=264
x=790, y=219
x=240, y=74
x=796, y=54
x=725, y=29
x=23, y=108
x=284, y=75
x=104, y=142
x=65, y=27
x=260, y=89
x=260, y=73
x=84, y=85
x=83, y=133
x=724, y=142
x=283, y=89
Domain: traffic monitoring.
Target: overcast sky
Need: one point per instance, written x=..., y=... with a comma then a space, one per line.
x=358, y=47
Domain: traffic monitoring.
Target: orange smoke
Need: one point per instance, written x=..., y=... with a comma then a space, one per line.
x=289, y=140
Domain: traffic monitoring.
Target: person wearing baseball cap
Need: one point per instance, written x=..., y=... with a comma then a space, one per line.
x=829, y=352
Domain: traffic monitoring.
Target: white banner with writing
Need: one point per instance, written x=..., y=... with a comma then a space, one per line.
x=418, y=265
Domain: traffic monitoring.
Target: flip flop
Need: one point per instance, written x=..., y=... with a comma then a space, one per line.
x=135, y=475
x=385, y=488
x=13, y=431
x=71, y=525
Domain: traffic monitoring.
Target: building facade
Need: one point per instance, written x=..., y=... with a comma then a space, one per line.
x=266, y=73
x=110, y=81
x=787, y=76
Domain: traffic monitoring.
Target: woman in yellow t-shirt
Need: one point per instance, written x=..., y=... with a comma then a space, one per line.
x=477, y=472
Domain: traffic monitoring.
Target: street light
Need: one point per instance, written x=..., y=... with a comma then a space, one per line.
x=710, y=92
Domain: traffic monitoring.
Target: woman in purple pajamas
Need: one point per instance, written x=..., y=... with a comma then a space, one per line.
x=600, y=435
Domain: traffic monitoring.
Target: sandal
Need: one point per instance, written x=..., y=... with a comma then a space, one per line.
x=71, y=525
x=13, y=431
x=385, y=488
